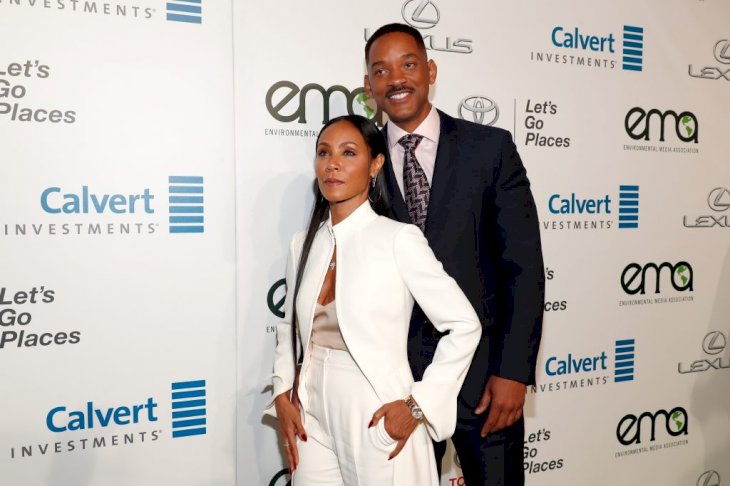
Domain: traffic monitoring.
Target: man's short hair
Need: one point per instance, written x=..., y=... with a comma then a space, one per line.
x=390, y=29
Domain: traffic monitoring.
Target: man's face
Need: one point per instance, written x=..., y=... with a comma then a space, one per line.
x=398, y=79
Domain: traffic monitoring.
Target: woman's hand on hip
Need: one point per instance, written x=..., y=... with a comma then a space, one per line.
x=399, y=423
x=290, y=427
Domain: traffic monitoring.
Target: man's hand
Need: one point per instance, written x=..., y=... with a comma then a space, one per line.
x=290, y=426
x=399, y=423
x=505, y=399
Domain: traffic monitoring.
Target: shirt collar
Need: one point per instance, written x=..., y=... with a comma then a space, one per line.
x=429, y=128
x=356, y=220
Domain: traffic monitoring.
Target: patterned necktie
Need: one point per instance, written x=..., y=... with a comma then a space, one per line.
x=415, y=182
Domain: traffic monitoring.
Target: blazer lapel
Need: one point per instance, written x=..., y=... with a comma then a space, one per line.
x=397, y=203
x=446, y=155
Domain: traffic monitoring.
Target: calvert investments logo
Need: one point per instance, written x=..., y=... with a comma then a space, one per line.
x=647, y=427
x=188, y=408
x=186, y=204
x=722, y=56
x=425, y=15
x=86, y=210
x=115, y=9
x=593, y=212
x=478, y=109
x=657, y=280
x=662, y=128
x=590, y=49
x=718, y=201
x=571, y=371
x=97, y=424
x=286, y=102
x=188, y=11
x=713, y=345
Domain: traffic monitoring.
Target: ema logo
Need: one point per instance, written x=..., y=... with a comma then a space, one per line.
x=624, y=360
x=629, y=429
x=188, y=408
x=186, y=204
x=633, y=44
x=628, y=207
x=188, y=11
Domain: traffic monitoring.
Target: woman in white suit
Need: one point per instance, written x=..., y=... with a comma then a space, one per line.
x=352, y=279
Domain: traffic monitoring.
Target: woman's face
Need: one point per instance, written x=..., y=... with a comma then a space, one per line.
x=343, y=165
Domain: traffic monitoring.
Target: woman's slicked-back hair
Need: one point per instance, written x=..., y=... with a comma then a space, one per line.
x=376, y=144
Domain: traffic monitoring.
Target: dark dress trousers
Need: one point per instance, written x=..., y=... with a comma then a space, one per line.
x=482, y=224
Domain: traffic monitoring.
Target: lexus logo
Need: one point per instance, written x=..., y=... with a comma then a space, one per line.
x=719, y=199
x=422, y=14
x=483, y=110
x=275, y=298
x=709, y=478
x=714, y=342
x=722, y=51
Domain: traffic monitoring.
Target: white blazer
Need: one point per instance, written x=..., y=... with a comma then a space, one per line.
x=382, y=265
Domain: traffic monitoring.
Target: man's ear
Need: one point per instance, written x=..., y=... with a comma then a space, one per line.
x=366, y=85
x=432, y=71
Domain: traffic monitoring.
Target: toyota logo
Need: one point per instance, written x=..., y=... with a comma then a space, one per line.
x=709, y=478
x=425, y=15
x=722, y=51
x=483, y=110
x=719, y=199
x=714, y=342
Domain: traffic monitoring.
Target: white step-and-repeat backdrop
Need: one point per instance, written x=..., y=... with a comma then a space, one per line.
x=157, y=157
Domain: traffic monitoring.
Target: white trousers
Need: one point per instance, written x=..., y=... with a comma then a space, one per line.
x=341, y=449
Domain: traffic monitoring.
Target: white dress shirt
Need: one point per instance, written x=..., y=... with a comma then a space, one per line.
x=430, y=129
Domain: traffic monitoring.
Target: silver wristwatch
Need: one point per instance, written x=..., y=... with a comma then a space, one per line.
x=416, y=411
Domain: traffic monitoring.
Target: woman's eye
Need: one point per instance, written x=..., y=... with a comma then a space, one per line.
x=321, y=153
x=349, y=153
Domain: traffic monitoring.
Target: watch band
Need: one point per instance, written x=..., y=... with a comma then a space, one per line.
x=416, y=411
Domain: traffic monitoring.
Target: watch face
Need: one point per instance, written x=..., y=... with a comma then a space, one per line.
x=417, y=413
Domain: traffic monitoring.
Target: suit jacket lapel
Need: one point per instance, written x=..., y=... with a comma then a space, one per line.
x=446, y=156
x=397, y=203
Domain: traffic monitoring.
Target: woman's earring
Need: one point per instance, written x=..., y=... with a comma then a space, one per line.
x=372, y=182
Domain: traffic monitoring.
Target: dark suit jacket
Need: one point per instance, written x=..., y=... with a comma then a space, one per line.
x=482, y=224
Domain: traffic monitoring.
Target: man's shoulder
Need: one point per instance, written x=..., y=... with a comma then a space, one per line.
x=468, y=129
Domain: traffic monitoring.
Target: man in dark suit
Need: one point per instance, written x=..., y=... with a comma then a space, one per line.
x=465, y=186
